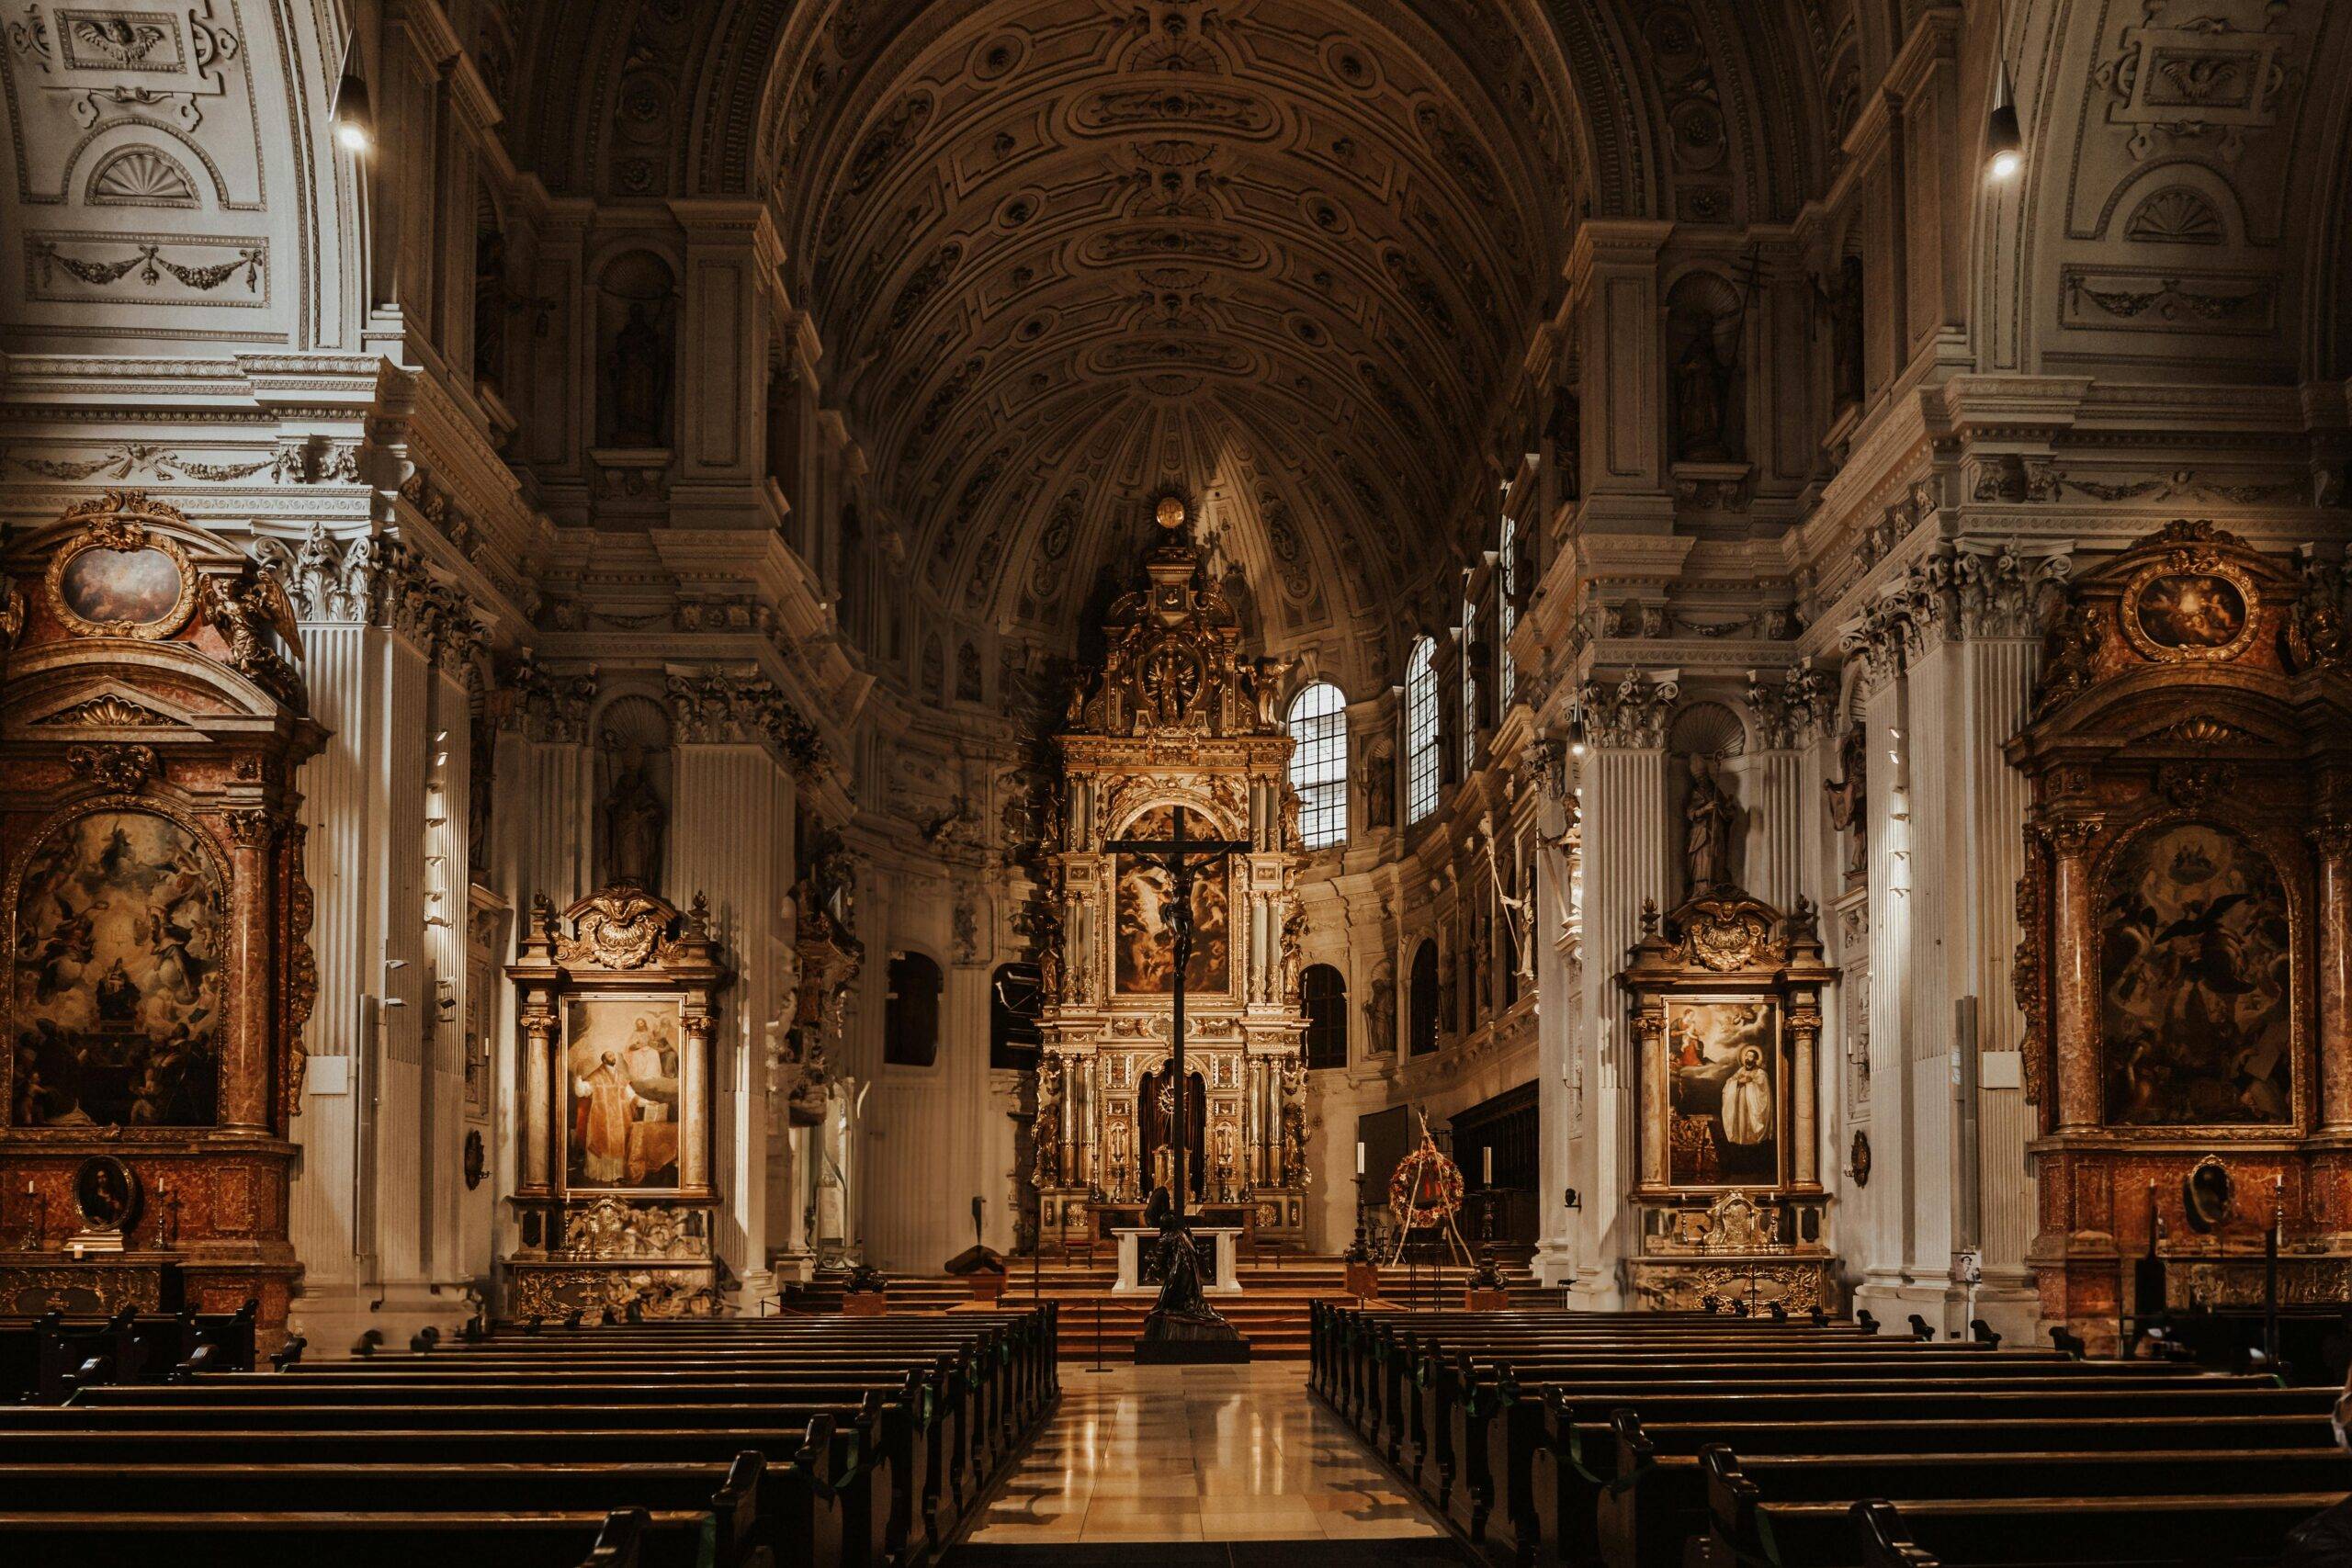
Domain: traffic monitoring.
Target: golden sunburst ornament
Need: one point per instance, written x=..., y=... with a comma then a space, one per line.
x=1170, y=512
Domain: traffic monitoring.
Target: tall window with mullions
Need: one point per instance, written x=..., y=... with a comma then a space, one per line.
x=1420, y=731
x=1318, y=764
x=1506, y=612
x=1469, y=687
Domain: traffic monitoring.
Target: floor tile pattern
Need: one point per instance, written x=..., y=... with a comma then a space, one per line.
x=1196, y=1454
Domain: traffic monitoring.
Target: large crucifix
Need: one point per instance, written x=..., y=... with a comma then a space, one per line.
x=1183, y=858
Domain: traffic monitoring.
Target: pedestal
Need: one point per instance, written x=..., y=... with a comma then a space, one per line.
x=1364, y=1280
x=1224, y=1260
x=865, y=1303
x=1485, y=1301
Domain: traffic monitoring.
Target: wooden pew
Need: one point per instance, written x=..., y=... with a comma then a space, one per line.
x=1659, y=1499
x=498, y=1539
x=723, y=1502
x=2026, y=1516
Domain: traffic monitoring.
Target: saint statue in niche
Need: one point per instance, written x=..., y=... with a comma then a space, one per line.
x=639, y=369
x=1701, y=382
x=634, y=821
x=1707, y=816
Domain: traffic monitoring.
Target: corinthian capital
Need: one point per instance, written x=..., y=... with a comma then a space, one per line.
x=1630, y=715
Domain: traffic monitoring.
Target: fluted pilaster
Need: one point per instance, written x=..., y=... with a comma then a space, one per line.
x=731, y=839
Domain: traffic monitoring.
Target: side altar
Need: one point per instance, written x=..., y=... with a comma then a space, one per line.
x=1177, y=731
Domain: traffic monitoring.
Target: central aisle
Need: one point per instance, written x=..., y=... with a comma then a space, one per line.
x=1198, y=1453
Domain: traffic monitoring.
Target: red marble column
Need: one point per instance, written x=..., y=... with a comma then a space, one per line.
x=2333, y=842
x=2074, y=962
x=246, y=1044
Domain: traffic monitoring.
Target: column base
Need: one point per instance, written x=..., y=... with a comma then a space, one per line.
x=753, y=1288
x=794, y=1264
x=1554, y=1263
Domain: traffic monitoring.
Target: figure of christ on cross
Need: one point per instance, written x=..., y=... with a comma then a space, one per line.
x=1182, y=1306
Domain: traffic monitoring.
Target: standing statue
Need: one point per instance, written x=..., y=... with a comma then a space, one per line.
x=1048, y=1126
x=1380, y=1010
x=1294, y=939
x=1379, y=783
x=1700, y=383
x=1294, y=1122
x=634, y=821
x=1707, y=817
x=1848, y=797
x=639, y=367
x=1843, y=302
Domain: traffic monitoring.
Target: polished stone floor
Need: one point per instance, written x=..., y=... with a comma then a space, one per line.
x=1195, y=1453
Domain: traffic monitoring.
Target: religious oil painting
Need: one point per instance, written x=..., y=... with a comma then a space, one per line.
x=1724, y=1109
x=621, y=1056
x=1146, y=954
x=2195, y=970
x=120, y=934
x=2192, y=611
x=115, y=590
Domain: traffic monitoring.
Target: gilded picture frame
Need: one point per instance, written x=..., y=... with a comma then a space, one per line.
x=118, y=564
x=2190, y=608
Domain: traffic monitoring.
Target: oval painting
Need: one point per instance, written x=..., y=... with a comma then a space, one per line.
x=121, y=588
x=121, y=932
x=2193, y=610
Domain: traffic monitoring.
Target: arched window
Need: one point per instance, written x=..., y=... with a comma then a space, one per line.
x=1469, y=686
x=911, y=1012
x=1506, y=609
x=1014, y=995
x=1420, y=731
x=1324, y=992
x=1318, y=764
x=1421, y=1031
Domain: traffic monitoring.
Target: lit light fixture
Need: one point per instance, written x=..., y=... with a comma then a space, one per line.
x=354, y=128
x=2004, y=140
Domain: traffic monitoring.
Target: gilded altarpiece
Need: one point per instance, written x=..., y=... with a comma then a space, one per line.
x=153, y=715
x=615, y=1000
x=2186, y=921
x=1177, y=728
x=1725, y=1016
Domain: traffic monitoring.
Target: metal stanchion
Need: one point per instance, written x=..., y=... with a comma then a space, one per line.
x=1098, y=1365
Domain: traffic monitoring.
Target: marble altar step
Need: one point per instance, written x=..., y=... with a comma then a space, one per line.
x=1272, y=1311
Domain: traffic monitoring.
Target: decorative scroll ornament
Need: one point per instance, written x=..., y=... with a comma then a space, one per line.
x=1729, y=931
x=119, y=769
x=621, y=927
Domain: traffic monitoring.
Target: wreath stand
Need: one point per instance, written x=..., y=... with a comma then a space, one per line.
x=1425, y=1192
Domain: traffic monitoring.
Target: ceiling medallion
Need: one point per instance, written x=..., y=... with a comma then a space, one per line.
x=1169, y=514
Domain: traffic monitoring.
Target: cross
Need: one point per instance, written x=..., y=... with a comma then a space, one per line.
x=1184, y=857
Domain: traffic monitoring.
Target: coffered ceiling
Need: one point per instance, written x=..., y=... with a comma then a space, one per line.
x=1284, y=257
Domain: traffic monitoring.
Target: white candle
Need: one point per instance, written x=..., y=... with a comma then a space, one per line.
x=1358, y=1160
x=1486, y=1166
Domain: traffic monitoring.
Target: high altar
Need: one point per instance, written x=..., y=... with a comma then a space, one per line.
x=1176, y=724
